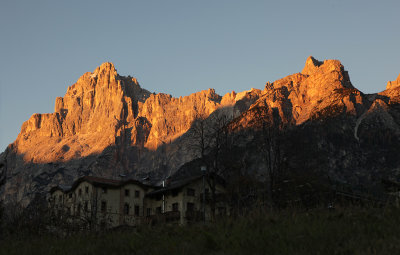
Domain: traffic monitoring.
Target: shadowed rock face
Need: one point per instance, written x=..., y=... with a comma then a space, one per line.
x=106, y=124
x=332, y=127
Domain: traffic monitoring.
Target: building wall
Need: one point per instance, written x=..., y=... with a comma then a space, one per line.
x=57, y=201
x=84, y=203
x=183, y=198
x=108, y=217
x=133, y=200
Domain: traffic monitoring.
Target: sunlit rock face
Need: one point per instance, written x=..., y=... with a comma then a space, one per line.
x=392, y=91
x=393, y=84
x=322, y=88
x=86, y=120
x=107, y=125
x=102, y=106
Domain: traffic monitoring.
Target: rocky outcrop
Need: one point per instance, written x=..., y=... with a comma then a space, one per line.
x=322, y=89
x=86, y=120
x=393, y=84
x=392, y=92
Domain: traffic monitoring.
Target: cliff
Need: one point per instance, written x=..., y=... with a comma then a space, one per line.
x=105, y=124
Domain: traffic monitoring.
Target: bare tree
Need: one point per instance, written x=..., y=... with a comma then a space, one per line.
x=269, y=142
x=212, y=141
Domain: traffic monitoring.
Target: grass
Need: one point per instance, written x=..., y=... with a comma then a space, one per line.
x=342, y=231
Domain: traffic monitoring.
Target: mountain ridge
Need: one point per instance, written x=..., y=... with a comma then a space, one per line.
x=108, y=124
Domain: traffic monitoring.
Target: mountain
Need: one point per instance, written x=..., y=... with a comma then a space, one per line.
x=331, y=127
x=107, y=125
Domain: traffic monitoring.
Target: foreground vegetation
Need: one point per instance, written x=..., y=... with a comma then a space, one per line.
x=318, y=231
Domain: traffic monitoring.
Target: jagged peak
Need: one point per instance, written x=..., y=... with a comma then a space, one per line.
x=105, y=67
x=313, y=66
x=393, y=84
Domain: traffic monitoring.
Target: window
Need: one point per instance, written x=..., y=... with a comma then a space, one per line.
x=60, y=198
x=86, y=206
x=79, y=192
x=103, y=206
x=137, y=193
x=127, y=192
x=190, y=207
x=70, y=195
x=158, y=210
x=190, y=192
x=175, y=207
x=126, y=209
x=137, y=210
x=148, y=211
x=87, y=190
x=104, y=190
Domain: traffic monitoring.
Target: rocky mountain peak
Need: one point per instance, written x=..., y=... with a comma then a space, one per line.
x=106, y=67
x=300, y=97
x=393, y=84
x=311, y=65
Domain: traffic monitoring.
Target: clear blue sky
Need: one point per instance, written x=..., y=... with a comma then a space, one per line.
x=180, y=47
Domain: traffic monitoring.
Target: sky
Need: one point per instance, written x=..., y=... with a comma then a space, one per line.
x=181, y=47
